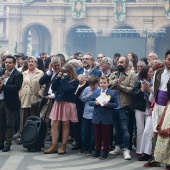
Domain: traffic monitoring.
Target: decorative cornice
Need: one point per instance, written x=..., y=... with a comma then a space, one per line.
x=59, y=20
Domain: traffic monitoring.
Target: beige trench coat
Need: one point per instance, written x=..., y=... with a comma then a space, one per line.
x=30, y=87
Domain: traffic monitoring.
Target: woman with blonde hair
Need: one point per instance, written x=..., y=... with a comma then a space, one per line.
x=64, y=108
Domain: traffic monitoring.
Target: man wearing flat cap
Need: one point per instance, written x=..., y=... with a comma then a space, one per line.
x=18, y=57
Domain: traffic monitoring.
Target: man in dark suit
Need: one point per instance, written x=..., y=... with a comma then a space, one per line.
x=83, y=73
x=9, y=100
x=51, y=74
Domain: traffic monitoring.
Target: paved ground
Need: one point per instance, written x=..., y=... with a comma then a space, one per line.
x=21, y=159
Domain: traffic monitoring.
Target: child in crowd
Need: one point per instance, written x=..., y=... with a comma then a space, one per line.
x=102, y=118
x=87, y=126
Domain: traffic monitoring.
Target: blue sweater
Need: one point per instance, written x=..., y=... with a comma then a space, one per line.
x=64, y=91
x=88, y=110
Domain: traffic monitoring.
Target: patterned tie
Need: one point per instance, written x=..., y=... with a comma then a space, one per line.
x=86, y=73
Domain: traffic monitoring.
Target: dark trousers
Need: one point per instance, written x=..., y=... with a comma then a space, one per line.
x=77, y=126
x=87, y=134
x=131, y=125
x=25, y=113
x=17, y=122
x=121, y=119
x=6, y=116
x=102, y=136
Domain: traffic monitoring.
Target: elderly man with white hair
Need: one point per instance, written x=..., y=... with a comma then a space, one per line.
x=75, y=63
x=105, y=68
x=152, y=57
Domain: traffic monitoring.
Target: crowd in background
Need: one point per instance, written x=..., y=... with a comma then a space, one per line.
x=134, y=117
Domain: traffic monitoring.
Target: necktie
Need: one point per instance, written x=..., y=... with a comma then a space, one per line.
x=103, y=91
x=86, y=72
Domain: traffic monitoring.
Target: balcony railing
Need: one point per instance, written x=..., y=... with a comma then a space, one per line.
x=112, y=1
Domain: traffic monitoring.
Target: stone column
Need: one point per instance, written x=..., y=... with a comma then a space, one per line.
x=14, y=29
x=58, y=35
x=150, y=45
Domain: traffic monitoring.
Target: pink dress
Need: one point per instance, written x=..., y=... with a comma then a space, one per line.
x=64, y=111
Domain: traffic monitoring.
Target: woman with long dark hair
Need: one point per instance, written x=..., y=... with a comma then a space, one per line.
x=64, y=108
x=142, y=90
x=134, y=59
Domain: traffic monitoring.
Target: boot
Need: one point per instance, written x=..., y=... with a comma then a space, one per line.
x=62, y=149
x=52, y=149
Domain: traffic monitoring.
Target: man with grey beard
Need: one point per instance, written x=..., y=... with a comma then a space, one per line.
x=83, y=73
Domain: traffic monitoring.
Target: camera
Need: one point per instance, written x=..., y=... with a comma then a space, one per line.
x=143, y=81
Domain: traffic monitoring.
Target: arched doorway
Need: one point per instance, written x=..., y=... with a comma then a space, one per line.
x=162, y=43
x=35, y=39
x=84, y=42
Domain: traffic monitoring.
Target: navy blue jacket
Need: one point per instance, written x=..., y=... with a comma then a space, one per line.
x=64, y=91
x=11, y=89
x=94, y=72
x=103, y=114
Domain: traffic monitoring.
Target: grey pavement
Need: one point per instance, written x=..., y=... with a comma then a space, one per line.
x=20, y=158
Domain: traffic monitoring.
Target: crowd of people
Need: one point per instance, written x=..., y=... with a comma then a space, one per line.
x=105, y=107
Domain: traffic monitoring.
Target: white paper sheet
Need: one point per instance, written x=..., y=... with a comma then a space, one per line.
x=102, y=98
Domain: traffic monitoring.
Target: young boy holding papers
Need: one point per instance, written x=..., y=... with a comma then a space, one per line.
x=104, y=101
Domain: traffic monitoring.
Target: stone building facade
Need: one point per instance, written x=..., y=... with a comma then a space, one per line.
x=48, y=25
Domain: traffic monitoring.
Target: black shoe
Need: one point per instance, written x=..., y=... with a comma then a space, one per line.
x=103, y=155
x=96, y=154
x=144, y=157
x=1, y=147
x=76, y=147
x=90, y=152
x=82, y=151
x=49, y=138
x=6, y=149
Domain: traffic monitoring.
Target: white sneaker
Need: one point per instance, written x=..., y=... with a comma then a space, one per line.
x=116, y=151
x=17, y=135
x=126, y=154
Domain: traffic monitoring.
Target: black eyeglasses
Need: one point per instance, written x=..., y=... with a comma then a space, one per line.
x=86, y=59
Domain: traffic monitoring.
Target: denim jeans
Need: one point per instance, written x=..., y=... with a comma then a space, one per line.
x=121, y=118
x=87, y=134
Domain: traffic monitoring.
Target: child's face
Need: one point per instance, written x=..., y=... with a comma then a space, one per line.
x=104, y=84
x=94, y=86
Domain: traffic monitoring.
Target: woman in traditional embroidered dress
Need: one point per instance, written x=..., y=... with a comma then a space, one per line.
x=162, y=149
x=64, y=108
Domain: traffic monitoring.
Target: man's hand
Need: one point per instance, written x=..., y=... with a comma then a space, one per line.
x=114, y=81
x=49, y=97
x=81, y=79
x=50, y=67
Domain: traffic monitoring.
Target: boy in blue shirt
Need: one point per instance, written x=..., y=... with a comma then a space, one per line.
x=87, y=126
